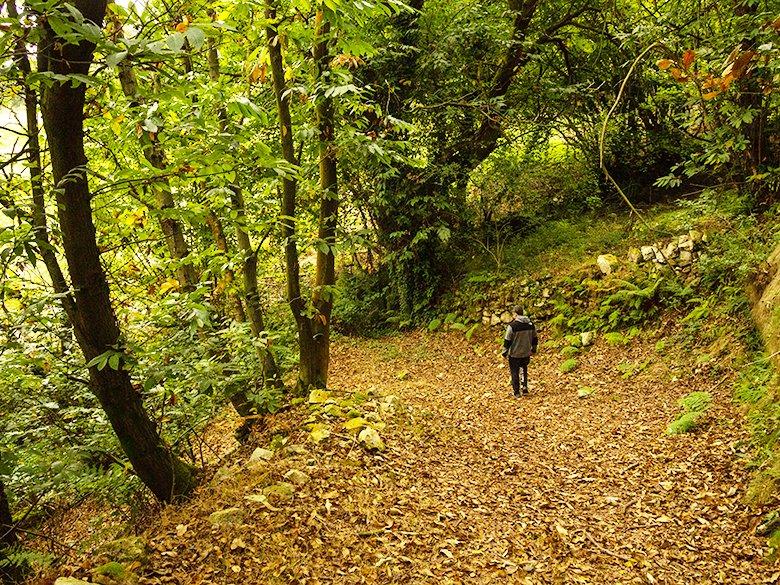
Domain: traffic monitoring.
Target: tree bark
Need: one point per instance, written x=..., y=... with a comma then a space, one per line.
x=7, y=530
x=254, y=309
x=153, y=152
x=288, y=201
x=315, y=372
x=94, y=319
x=229, y=277
x=39, y=221
x=314, y=330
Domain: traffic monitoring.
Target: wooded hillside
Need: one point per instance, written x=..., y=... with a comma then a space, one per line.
x=209, y=208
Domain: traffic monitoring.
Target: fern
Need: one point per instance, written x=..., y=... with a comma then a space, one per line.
x=694, y=406
x=696, y=402
x=17, y=561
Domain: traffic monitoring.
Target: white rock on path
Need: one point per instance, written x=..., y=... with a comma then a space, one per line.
x=261, y=454
x=227, y=517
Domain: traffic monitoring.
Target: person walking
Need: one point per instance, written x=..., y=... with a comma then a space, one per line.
x=520, y=341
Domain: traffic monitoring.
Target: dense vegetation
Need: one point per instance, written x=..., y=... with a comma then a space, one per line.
x=196, y=197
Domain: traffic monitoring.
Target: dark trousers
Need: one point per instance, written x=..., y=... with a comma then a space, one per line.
x=515, y=365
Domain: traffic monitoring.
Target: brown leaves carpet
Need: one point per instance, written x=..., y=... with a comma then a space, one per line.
x=476, y=486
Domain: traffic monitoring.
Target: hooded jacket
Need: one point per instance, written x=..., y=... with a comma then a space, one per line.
x=520, y=340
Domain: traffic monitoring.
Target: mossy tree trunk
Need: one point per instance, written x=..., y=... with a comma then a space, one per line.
x=94, y=320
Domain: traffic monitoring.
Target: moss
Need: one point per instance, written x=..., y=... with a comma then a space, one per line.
x=615, y=338
x=569, y=365
x=112, y=569
x=685, y=423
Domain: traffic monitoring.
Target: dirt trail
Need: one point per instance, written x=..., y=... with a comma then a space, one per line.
x=479, y=487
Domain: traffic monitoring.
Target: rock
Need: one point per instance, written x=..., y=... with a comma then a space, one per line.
x=494, y=320
x=70, y=581
x=607, y=263
x=318, y=396
x=126, y=550
x=333, y=410
x=506, y=317
x=261, y=454
x=769, y=524
x=546, y=293
x=587, y=337
x=659, y=256
x=371, y=439
x=686, y=258
x=280, y=491
x=296, y=477
x=648, y=253
x=686, y=245
x=670, y=251
x=635, y=255
x=696, y=236
x=584, y=392
x=683, y=238
x=227, y=517
x=389, y=405
x=292, y=450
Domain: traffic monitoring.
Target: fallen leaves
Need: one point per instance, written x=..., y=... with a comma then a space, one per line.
x=473, y=486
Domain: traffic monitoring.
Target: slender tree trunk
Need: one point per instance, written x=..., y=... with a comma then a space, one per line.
x=315, y=371
x=153, y=152
x=314, y=331
x=39, y=221
x=254, y=309
x=271, y=374
x=229, y=277
x=94, y=319
x=288, y=201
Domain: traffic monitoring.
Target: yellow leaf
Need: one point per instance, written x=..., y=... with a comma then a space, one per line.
x=664, y=64
x=355, y=423
x=169, y=285
x=318, y=396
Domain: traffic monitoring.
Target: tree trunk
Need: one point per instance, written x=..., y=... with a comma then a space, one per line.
x=94, y=319
x=39, y=221
x=153, y=152
x=317, y=357
x=254, y=310
x=313, y=331
x=7, y=530
x=288, y=196
x=271, y=374
x=228, y=278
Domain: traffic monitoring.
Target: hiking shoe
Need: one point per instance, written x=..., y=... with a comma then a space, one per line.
x=525, y=392
x=517, y=394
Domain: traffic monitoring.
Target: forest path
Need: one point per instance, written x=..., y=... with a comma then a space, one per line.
x=552, y=488
x=476, y=486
